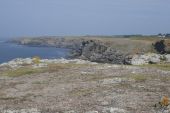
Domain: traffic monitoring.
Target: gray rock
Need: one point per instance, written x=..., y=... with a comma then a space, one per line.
x=114, y=110
x=145, y=59
x=112, y=81
x=117, y=110
x=21, y=62
x=167, y=58
x=97, y=52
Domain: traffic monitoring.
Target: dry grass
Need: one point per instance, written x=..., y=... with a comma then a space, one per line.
x=55, y=67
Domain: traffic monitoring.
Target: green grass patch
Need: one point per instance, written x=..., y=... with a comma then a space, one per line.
x=40, y=82
x=28, y=70
x=22, y=71
x=82, y=92
x=162, y=66
x=145, y=38
x=138, y=77
x=7, y=98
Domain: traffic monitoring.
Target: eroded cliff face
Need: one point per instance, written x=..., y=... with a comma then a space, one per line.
x=98, y=52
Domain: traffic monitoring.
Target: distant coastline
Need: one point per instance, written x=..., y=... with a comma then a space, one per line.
x=10, y=51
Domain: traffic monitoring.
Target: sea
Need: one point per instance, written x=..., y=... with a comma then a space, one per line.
x=10, y=51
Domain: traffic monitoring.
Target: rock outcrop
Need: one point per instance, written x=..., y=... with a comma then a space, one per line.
x=21, y=62
x=98, y=52
x=162, y=46
x=145, y=59
x=149, y=58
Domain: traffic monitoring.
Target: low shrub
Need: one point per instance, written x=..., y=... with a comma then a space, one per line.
x=36, y=59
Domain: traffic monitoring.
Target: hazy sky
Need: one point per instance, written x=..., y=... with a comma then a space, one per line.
x=83, y=17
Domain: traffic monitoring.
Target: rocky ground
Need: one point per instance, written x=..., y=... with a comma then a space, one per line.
x=83, y=87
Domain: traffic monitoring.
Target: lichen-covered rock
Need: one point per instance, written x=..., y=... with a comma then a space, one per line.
x=21, y=62
x=145, y=59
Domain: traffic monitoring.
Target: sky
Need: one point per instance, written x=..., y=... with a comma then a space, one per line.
x=83, y=17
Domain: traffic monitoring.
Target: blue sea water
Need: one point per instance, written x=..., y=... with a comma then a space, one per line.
x=9, y=51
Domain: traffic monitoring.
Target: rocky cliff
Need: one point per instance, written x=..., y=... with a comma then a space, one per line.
x=98, y=52
x=99, y=49
x=85, y=48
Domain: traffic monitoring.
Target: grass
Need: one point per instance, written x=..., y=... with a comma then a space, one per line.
x=82, y=92
x=28, y=70
x=55, y=67
x=21, y=71
x=59, y=66
x=138, y=77
x=40, y=82
x=144, y=77
x=162, y=66
x=7, y=98
x=165, y=78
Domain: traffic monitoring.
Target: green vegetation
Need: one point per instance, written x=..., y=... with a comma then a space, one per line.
x=40, y=82
x=28, y=70
x=36, y=60
x=138, y=77
x=82, y=92
x=21, y=71
x=145, y=38
x=55, y=67
x=162, y=66
x=7, y=98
